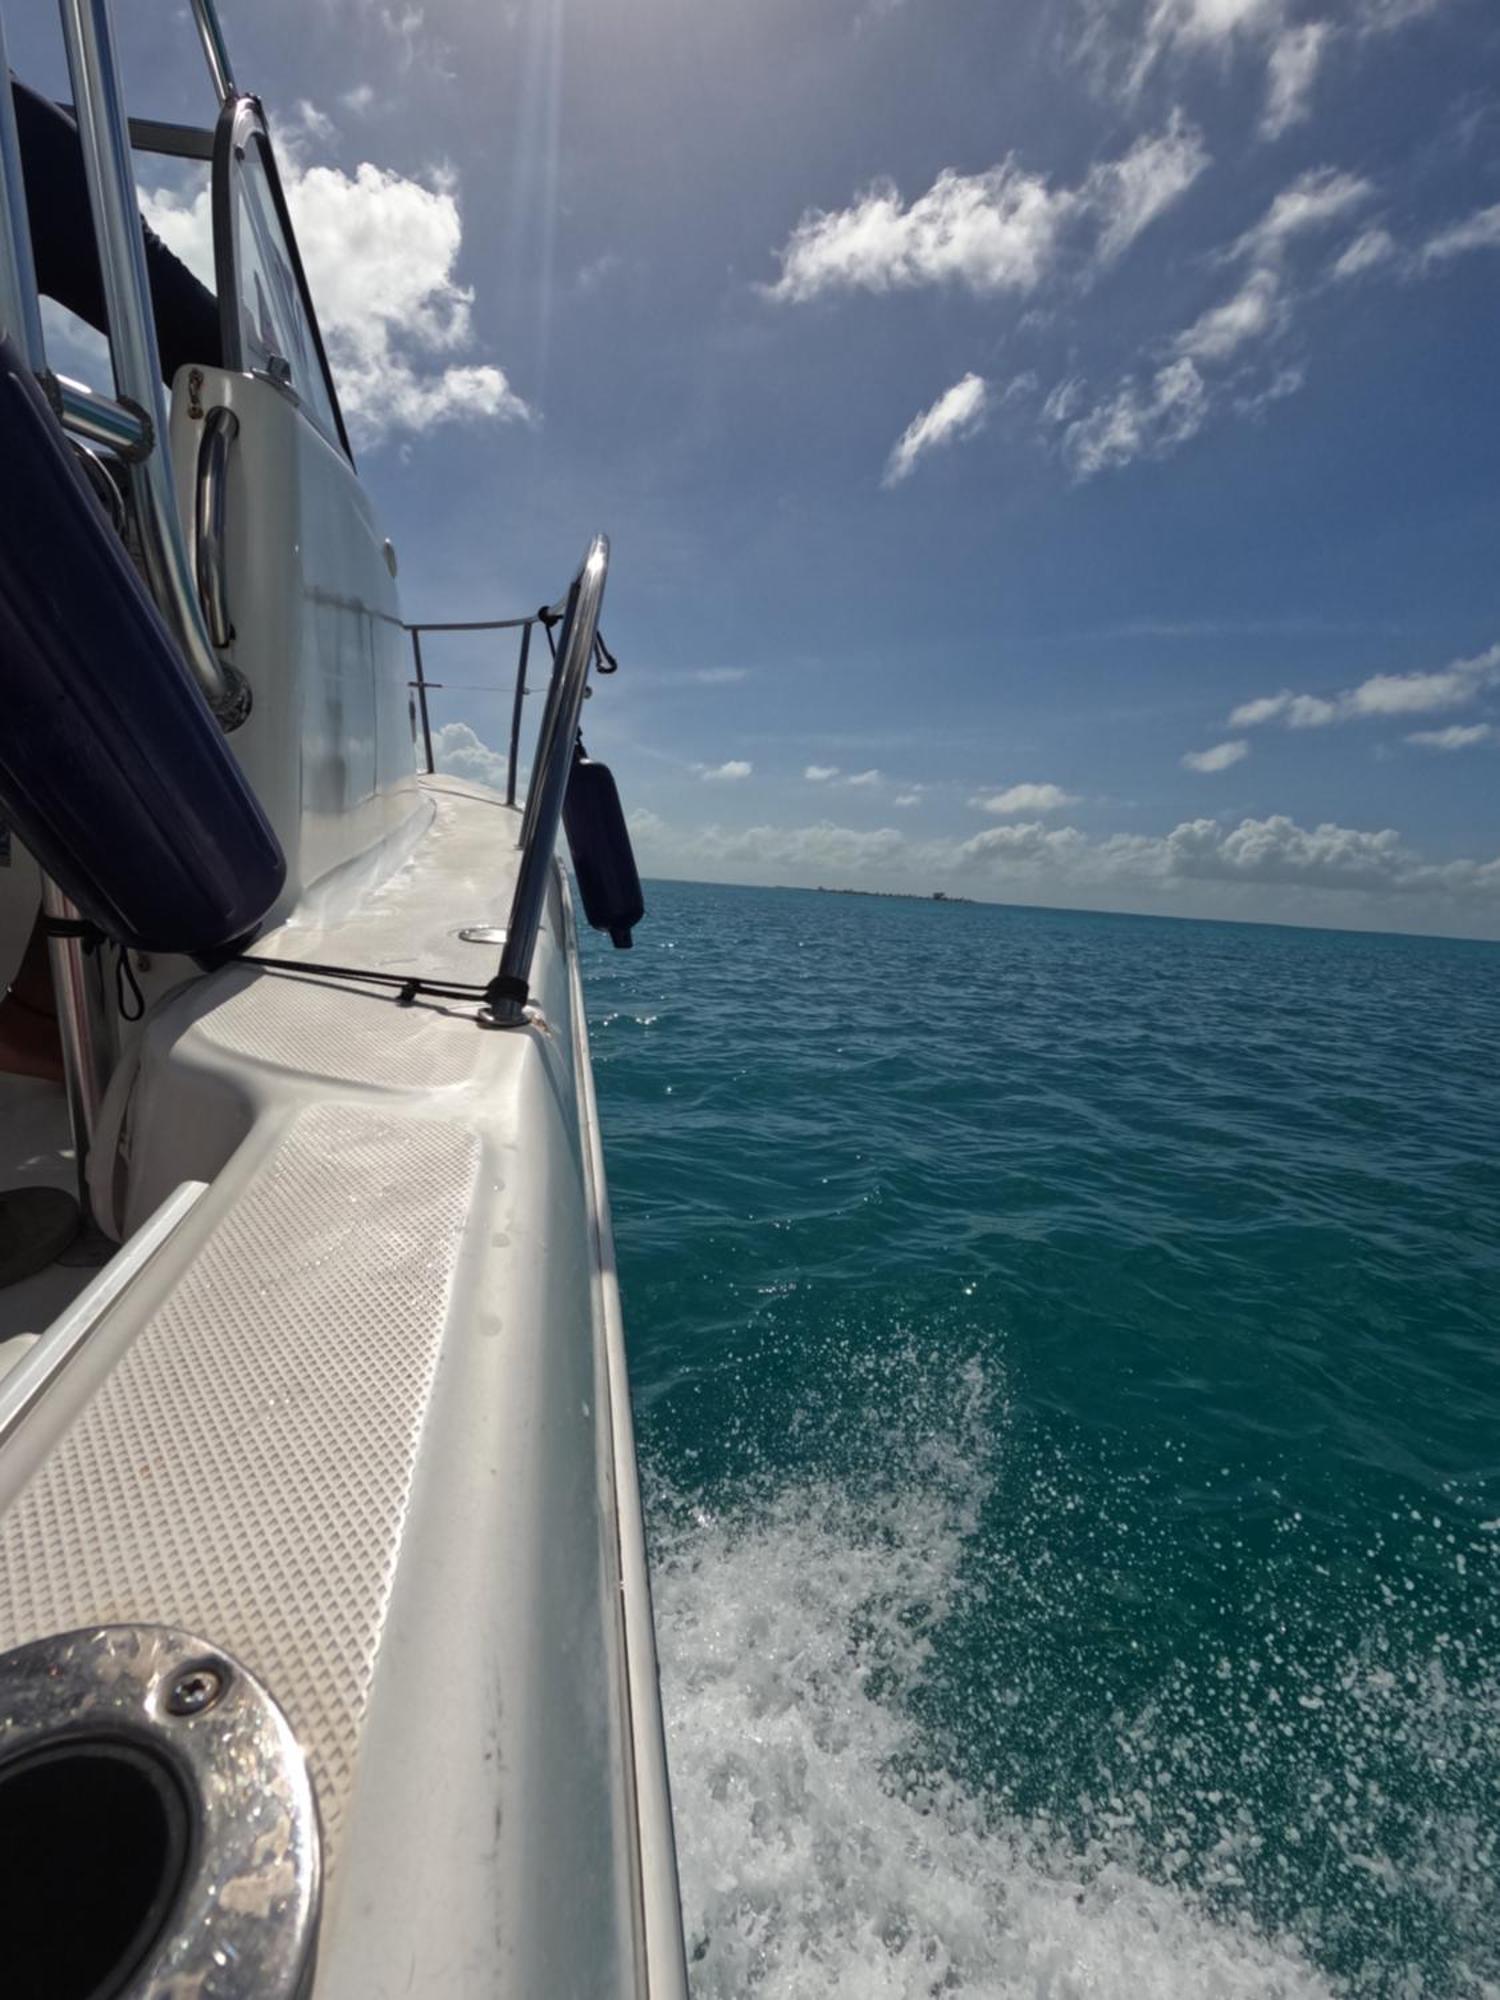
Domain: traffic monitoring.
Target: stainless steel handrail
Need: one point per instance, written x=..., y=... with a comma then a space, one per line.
x=84, y=1021
x=215, y=49
x=95, y=418
x=104, y=138
x=421, y=685
x=509, y=990
x=100, y=420
x=220, y=428
x=86, y=1030
x=20, y=310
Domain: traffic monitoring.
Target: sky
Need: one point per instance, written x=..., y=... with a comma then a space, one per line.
x=1049, y=446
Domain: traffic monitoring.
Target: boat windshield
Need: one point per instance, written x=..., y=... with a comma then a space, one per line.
x=275, y=334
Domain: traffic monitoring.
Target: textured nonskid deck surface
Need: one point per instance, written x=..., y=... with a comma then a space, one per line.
x=358, y=1428
x=248, y=1463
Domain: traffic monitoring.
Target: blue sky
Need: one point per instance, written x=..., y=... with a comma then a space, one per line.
x=1050, y=450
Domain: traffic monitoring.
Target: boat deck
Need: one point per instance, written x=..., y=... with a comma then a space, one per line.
x=368, y=1394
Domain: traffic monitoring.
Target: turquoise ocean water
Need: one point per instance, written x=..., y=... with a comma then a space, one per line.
x=1067, y=1373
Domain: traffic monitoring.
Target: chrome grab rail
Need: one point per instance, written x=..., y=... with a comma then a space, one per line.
x=97, y=419
x=104, y=139
x=86, y=1030
x=20, y=310
x=215, y=49
x=100, y=420
x=84, y=1024
x=509, y=990
x=421, y=686
x=133, y=424
x=220, y=428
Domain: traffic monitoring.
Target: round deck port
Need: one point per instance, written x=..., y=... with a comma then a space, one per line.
x=157, y=1823
x=93, y=1850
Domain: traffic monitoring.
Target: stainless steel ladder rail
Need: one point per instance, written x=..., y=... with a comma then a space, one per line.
x=509, y=990
x=104, y=134
x=134, y=422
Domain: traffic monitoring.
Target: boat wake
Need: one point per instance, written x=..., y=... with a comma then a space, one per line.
x=825, y=1847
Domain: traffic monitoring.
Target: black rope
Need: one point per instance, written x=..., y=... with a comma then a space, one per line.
x=408, y=985
x=129, y=998
x=604, y=660
x=128, y=995
x=132, y=1001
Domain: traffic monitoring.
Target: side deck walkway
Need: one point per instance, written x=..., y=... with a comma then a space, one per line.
x=362, y=1421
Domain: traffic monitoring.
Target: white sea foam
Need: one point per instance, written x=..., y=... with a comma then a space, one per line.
x=793, y=1628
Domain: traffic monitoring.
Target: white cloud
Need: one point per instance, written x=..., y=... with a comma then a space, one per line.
x=1481, y=231
x=75, y=349
x=1025, y=798
x=404, y=25
x=1275, y=850
x=1130, y=193
x=1298, y=711
x=1255, y=402
x=907, y=799
x=1370, y=248
x=359, y=100
x=1123, y=48
x=1309, y=711
x=1194, y=26
x=863, y=778
x=307, y=122
x=712, y=677
x=185, y=225
x=595, y=273
x=1278, y=850
x=380, y=251
x=1382, y=695
x=458, y=751
x=821, y=852
x=1416, y=694
x=819, y=774
x=1271, y=868
x=1379, y=17
x=1206, y=22
x=958, y=413
x=1457, y=736
x=728, y=773
x=1255, y=312
x=1153, y=419
x=1315, y=200
x=1139, y=423
x=991, y=232
x=1064, y=401
x=1218, y=757
x=997, y=231
x=1291, y=71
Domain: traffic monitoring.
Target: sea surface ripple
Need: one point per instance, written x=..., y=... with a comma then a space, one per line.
x=1066, y=1369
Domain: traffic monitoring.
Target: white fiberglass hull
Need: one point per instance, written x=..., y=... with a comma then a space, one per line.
x=362, y=1421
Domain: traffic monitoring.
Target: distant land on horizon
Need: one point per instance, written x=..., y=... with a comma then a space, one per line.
x=1079, y=910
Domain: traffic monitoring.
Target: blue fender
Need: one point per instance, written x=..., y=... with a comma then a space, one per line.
x=599, y=842
x=113, y=770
